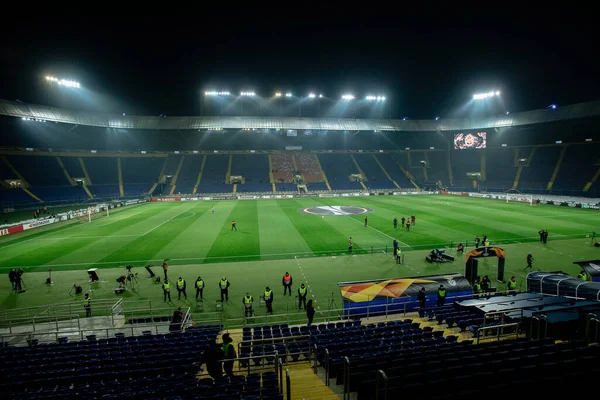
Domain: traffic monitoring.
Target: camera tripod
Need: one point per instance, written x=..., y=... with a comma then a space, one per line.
x=131, y=280
x=332, y=305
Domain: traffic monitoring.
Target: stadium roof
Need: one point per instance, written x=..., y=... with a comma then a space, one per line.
x=34, y=111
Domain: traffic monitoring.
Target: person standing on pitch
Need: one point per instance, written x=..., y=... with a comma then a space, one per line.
x=302, y=290
x=165, y=267
x=166, y=286
x=286, y=281
x=268, y=297
x=350, y=244
x=224, y=286
x=181, y=285
x=366, y=221
x=247, y=301
x=233, y=225
x=395, y=223
x=212, y=210
x=199, y=288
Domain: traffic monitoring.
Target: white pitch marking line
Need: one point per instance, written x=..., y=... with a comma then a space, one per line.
x=161, y=224
x=385, y=234
x=119, y=219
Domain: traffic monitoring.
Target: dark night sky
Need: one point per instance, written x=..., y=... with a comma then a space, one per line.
x=427, y=63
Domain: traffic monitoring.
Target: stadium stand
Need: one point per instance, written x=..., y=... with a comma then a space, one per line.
x=254, y=168
x=576, y=168
x=140, y=173
x=337, y=168
x=188, y=175
x=461, y=165
x=283, y=166
x=214, y=174
x=500, y=169
x=376, y=178
x=393, y=169
x=308, y=165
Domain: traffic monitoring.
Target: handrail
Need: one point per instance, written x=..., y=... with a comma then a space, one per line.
x=315, y=360
x=280, y=373
x=537, y=320
x=381, y=376
x=511, y=325
x=288, y=384
x=326, y=366
x=346, y=395
x=588, y=328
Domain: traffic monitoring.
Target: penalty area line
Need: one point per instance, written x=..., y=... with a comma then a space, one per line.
x=162, y=223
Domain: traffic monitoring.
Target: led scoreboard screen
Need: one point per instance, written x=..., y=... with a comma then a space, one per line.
x=470, y=141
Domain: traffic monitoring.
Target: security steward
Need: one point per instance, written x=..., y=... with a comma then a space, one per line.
x=286, y=281
x=181, y=285
x=166, y=290
x=422, y=298
x=441, y=296
x=224, y=286
x=247, y=301
x=583, y=276
x=199, y=288
x=302, y=290
x=228, y=354
x=476, y=286
x=87, y=305
x=512, y=284
x=268, y=297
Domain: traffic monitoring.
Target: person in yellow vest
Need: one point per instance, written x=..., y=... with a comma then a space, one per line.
x=512, y=284
x=181, y=284
x=228, y=354
x=166, y=286
x=441, y=296
x=224, y=286
x=247, y=301
x=583, y=276
x=87, y=305
x=476, y=286
x=199, y=288
x=286, y=281
x=302, y=290
x=268, y=296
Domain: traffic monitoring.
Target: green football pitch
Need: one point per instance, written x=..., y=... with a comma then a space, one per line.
x=275, y=236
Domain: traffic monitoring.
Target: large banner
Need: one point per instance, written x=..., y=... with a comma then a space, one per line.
x=8, y=231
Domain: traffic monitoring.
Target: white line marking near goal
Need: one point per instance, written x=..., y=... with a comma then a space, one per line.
x=383, y=233
x=119, y=219
x=161, y=224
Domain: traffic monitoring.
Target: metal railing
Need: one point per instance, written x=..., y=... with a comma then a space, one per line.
x=381, y=377
x=288, y=384
x=588, y=328
x=499, y=328
x=346, y=395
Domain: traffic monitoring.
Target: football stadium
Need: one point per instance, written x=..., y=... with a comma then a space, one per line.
x=256, y=251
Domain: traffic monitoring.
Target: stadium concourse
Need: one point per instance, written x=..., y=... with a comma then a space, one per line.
x=299, y=190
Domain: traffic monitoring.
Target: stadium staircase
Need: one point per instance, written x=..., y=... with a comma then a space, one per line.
x=271, y=178
x=360, y=171
x=557, y=168
x=322, y=173
x=120, y=173
x=88, y=181
x=408, y=175
x=296, y=168
x=385, y=172
x=482, y=170
x=592, y=181
x=521, y=166
x=174, y=181
x=64, y=170
x=228, y=175
x=160, y=175
x=199, y=175
x=19, y=176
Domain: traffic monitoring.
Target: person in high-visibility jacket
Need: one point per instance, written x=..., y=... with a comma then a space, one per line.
x=228, y=354
x=181, y=284
x=166, y=286
x=512, y=284
x=268, y=296
x=199, y=288
x=302, y=290
x=583, y=276
x=87, y=305
x=247, y=301
x=224, y=286
x=286, y=281
x=441, y=295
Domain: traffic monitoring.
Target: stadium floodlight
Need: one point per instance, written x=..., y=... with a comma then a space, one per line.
x=215, y=93
x=437, y=118
x=278, y=94
x=248, y=94
x=312, y=95
x=288, y=95
x=552, y=106
x=482, y=96
x=321, y=96
x=348, y=97
x=375, y=98
x=63, y=82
